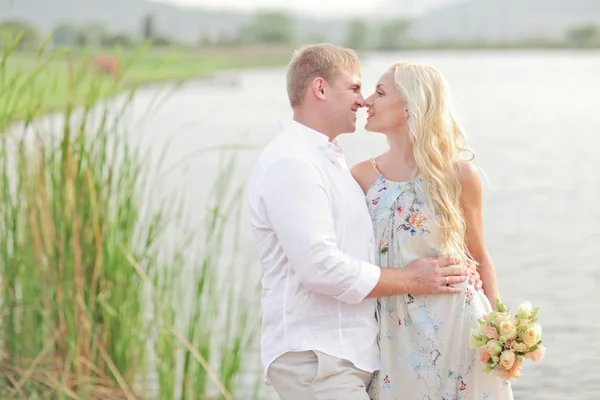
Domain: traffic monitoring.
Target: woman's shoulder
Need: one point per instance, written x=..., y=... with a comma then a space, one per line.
x=365, y=173
x=467, y=173
x=470, y=183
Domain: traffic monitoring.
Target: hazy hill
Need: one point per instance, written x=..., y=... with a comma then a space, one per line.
x=126, y=15
x=506, y=19
x=122, y=16
x=453, y=19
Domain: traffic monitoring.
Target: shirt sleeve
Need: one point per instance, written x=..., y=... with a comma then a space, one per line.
x=300, y=212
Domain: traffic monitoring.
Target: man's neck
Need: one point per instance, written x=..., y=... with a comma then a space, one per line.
x=314, y=122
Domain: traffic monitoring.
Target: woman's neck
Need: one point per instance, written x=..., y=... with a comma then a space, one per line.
x=400, y=156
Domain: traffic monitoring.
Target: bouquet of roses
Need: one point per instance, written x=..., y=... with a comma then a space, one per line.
x=505, y=340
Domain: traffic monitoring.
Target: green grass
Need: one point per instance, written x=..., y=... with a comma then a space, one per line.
x=96, y=301
x=151, y=65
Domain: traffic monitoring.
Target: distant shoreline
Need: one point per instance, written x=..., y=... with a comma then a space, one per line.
x=173, y=65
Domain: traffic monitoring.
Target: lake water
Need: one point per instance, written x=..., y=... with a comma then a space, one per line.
x=533, y=119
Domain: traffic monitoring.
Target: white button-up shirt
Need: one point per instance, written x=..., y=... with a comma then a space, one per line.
x=314, y=238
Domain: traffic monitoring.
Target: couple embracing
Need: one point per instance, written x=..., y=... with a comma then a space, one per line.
x=373, y=276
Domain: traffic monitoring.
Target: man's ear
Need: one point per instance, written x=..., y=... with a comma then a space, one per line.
x=318, y=88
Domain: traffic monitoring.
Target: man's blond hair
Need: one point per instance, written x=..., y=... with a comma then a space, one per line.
x=317, y=60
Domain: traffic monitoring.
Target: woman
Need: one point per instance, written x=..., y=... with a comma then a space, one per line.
x=425, y=200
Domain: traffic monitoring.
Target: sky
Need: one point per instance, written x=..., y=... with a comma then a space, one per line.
x=313, y=7
x=320, y=7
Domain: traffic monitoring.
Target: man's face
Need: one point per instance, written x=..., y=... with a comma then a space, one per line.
x=344, y=98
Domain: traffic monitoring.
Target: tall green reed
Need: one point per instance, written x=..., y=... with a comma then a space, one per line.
x=96, y=300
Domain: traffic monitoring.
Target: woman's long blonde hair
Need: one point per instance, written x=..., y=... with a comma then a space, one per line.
x=438, y=144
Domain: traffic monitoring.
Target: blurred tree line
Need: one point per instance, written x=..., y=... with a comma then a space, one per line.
x=277, y=27
x=584, y=35
x=92, y=34
x=263, y=28
x=269, y=28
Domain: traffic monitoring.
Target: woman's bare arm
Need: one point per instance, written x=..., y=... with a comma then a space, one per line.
x=471, y=206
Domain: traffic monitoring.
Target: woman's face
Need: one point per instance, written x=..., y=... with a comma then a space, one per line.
x=387, y=111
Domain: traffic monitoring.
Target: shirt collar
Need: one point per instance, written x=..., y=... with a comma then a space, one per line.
x=289, y=125
x=332, y=149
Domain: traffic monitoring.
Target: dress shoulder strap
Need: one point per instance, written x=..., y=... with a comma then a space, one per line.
x=374, y=164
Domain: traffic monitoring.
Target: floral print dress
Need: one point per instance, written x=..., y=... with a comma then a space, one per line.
x=424, y=340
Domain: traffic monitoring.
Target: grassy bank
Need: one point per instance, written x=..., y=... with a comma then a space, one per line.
x=138, y=66
x=106, y=293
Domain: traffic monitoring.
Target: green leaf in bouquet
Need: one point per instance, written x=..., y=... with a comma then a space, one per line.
x=534, y=312
x=533, y=348
x=499, y=304
x=492, y=323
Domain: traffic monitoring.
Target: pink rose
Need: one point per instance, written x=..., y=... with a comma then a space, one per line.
x=503, y=374
x=537, y=354
x=484, y=356
x=491, y=332
x=515, y=371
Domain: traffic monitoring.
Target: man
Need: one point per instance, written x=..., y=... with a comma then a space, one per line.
x=314, y=237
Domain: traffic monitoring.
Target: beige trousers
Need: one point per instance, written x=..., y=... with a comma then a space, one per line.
x=312, y=375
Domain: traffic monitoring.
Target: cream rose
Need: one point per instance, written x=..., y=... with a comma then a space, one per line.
x=532, y=335
x=518, y=347
x=507, y=359
x=499, y=318
x=508, y=329
x=493, y=347
x=524, y=310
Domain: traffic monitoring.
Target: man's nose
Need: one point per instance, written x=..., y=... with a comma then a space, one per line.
x=361, y=100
